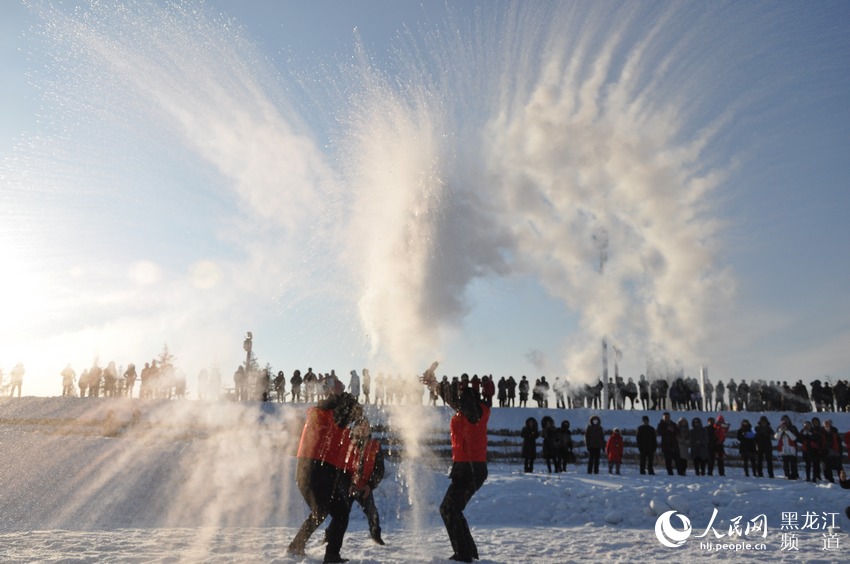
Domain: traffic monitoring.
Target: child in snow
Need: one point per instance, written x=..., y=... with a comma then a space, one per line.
x=614, y=449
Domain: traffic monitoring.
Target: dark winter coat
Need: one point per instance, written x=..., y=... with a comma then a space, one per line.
x=565, y=440
x=647, y=439
x=594, y=436
x=550, y=442
x=699, y=442
x=683, y=437
x=529, y=442
x=832, y=441
x=668, y=431
x=746, y=440
x=811, y=442
x=764, y=438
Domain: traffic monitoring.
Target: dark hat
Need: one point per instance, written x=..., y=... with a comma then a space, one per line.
x=346, y=409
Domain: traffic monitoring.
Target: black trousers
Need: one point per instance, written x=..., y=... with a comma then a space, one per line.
x=670, y=462
x=325, y=489
x=762, y=457
x=370, y=510
x=646, y=462
x=830, y=463
x=593, y=456
x=789, y=466
x=467, y=478
x=812, y=466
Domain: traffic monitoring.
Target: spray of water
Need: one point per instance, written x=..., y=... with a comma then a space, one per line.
x=495, y=150
x=496, y=144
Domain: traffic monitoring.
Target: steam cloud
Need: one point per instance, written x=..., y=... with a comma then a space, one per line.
x=558, y=153
x=494, y=147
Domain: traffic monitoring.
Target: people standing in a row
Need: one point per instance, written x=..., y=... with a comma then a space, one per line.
x=683, y=393
x=557, y=444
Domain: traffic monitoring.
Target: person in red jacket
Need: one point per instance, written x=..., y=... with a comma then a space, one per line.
x=367, y=471
x=614, y=449
x=322, y=471
x=469, y=468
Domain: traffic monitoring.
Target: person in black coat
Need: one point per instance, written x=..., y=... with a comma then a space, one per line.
x=565, y=445
x=550, y=444
x=832, y=450
x=699, y=447
x=529, y=443
x=711, y=435
x=812, y=444
x=764, y=447
x=523, y=392
x=668, y=432
x=647, y=443
x=594, y=441
x=747, y=447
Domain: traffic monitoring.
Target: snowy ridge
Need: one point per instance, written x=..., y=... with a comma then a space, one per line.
x=214, y=482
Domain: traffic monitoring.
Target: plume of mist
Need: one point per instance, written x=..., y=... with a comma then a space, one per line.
x=191, y=461
x=499, y=144
x=561, y=152
x=164, y=109
x=537, y=359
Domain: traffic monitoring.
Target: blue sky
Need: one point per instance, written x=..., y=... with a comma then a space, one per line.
x=384, y=183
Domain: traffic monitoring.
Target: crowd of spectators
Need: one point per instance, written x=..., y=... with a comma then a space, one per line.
x=160, y=379
x=701, y=448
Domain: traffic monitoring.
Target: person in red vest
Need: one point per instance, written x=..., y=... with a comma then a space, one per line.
x=367, y=469
x=322, y=471
x=469, y=468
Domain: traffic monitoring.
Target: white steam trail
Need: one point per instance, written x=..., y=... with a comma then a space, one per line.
x=495, y=147
x=166, y=108
x=502, y=148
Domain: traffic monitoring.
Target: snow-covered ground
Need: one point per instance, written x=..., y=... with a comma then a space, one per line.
x=85, y=480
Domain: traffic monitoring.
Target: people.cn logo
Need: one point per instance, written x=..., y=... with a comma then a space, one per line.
x=667, y=534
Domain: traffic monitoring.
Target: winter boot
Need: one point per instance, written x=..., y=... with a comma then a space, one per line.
x=376, y=536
